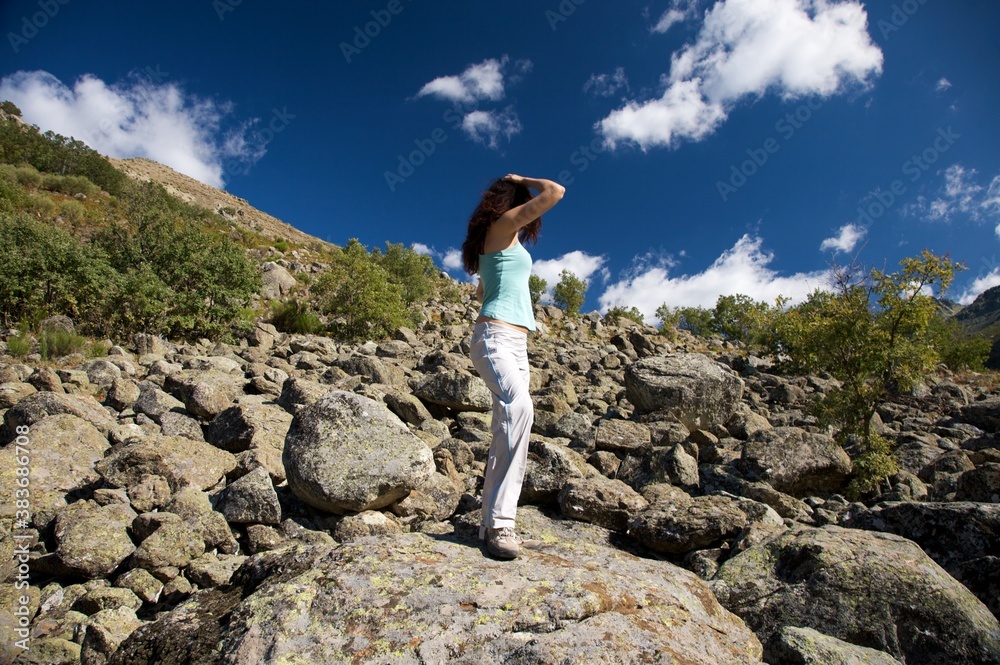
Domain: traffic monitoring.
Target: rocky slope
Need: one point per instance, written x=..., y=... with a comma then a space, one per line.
x=296, y=499
x=237, y=210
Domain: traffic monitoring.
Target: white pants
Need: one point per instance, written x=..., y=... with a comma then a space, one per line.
x=500, y=355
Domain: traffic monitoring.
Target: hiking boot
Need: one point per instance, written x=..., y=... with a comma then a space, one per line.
x=503, y=543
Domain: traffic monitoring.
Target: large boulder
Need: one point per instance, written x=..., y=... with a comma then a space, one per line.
x=805, y=646
x=245, y=426
x=93, y=540
x=62, y=450
x=693, y=388
x=795, y=461
x=180, y=460
x=348, y=453
x=205, y=394
x=870, y=589
x=984, y=414
x=454, y=389
x=962, y=537
x=547, y=470
x=31, y=409
x=277, y=281
x=411, y=599
x=679, y=527
x=607, y=502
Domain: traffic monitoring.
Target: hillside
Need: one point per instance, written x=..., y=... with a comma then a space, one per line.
x=983, y=314
x=235, y=209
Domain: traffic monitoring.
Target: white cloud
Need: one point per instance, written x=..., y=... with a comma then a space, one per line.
x=606, y=85
x=942, y=85
x=141, y=117
x=979, y=285
x=744, y=268
x=680, y=11
x=581, y=264
x=748, y=48
x=487, y=126
x=482, y=81
x=846, y=240
x=960, y=195
x=991, y=203
x=452, y=259
x=421, y=248
x=670, y=18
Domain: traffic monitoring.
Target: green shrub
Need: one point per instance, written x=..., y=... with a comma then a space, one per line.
x=616, y=314
x=28, y=176
x=281, y=245
x=873, y=334
x=19, y=345
x=41, y=205
x=55, y=343
x=69, y=185
x=293, y=316
x=536, y=287
x=877, y=464
x=697, y=320
x=414, y=273
x=359, y=295
x=956, y=348
x=569, y=293
x=73, y=211
x=10, y=107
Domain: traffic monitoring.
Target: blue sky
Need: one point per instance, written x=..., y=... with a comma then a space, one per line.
x=706, y=147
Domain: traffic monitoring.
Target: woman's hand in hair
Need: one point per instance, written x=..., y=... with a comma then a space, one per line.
x=513, y=177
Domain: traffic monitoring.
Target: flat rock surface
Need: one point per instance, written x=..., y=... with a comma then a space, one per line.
x=420, y=599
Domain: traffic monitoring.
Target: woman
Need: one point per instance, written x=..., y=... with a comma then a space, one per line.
x=507, y=214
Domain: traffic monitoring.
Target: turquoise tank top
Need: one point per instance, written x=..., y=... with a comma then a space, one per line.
x=505, y=286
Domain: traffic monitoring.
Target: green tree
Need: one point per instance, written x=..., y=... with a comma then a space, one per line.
x=414, y=273
x=360, y=296
x=872, y=332
x=740, y=318
x=698, y=320
x=617, y=313
x=570, y=292
x=10, y=107
x=956, y=348
x=536, y=287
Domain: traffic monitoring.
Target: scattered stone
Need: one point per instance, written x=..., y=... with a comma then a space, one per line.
x=602, y=501
x=798, y=646
x=795, y=461
x=181, y=461
x=250, y=499
x=454, y=389
x=678, y=528
x=691, y=387
x=93, y=540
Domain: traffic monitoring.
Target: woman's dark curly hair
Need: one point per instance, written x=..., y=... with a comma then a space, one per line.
x=501, y=196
